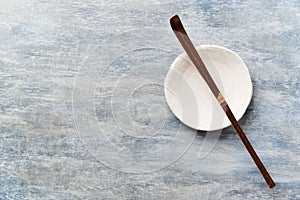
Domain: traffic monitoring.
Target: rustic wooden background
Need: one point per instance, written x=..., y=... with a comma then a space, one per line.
x=82, y=108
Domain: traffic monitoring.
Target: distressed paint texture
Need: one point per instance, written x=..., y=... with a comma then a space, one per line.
x=44, y=45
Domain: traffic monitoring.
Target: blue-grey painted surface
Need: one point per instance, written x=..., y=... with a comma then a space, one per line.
x=82, y=109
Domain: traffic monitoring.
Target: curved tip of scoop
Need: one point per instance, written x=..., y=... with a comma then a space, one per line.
x=174, y=16
x=175, y=21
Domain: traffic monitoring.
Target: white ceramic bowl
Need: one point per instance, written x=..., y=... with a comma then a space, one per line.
x=189, y=97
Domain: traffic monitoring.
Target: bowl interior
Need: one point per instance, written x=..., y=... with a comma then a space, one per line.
x=189, y=97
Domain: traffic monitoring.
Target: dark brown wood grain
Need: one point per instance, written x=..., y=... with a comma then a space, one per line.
x=197, y=61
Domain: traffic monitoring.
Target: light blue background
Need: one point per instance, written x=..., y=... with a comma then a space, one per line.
x=43, y=45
